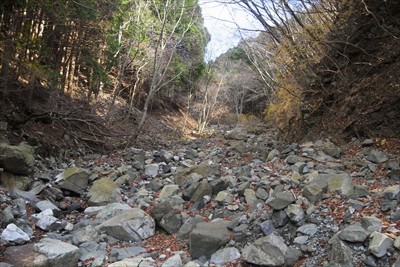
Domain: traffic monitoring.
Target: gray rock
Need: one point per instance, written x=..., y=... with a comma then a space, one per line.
x=236, y=134
x=174, y=261
x=267, y=227
x=301, y=240
x=203, y=190
x=341, y=254
x=89, y=233
x=379, y=244
x=161, y=209
x=130, y=225
x=73, y=179
x=188, y=227
x=250, y=196
x=396, y=243
x=353, y=233
x=292, y=255
x=269, y=251
x=169, y=190
x=396, y=263
x=208, y=237
x=152, y=170
x=300, y=167
x=394, y=174
x=103, y=192
x=331, y=149
x=118, y=254
x=171, y=222
x=392, y=192
x=295, y=212
x=313, y=193
x=225, y=255
x=7, y=215
x=273, y=154
x=239, y=146
x=219, y=185
x=321, y=180
x=92, y=211
x=281, y=200
x=293, y=159
x=371, y=224
x=357, y=205
x=46, y=220
x=367, y=142
x=376, y=156
x=111, y=210
x=57, y=252
x=341, y=184
x=279, y=218
x=13, y=234
x=93, y=250
x=261, y=193
x=224, y=197
x=17, y=159
x=125, y=179
x=11, y=181
x=202, y=170
x=46, y=204
x=309, y=229
x=29, y=196
x=135, y=262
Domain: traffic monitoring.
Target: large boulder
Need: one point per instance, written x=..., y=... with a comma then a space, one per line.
x=171, y=222
x=376, y=156
x=268, y=251
x=353, y=233
x=111, y=210
x=341, y=254
x=281, y=200
x=73, y=179
x=103, y=192
x=202, y=190
x=169, y=191
x=58, y=253
x=341, y=184
x=331, y=149
x=208, y=237
x=11, y=181
x=379, y=244
x=200, y=170
x=130, y=225
x=17, y=159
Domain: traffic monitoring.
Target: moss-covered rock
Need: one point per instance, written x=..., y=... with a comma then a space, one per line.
x=103, y=191
x=17, y=159
x=74, y=179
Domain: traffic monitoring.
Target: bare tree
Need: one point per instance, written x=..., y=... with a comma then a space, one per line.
x=166, y=44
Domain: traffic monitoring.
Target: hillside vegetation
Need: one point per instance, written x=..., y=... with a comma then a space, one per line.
x=91, y=72
x=330, y=67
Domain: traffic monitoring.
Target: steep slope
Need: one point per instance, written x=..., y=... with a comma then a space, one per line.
x=360, y=95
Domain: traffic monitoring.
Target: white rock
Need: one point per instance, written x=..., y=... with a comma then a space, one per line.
x=13, y=234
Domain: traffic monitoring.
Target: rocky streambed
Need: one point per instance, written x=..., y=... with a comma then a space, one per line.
x=237, y=199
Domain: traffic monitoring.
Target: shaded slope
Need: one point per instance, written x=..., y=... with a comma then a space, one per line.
x=360, y=95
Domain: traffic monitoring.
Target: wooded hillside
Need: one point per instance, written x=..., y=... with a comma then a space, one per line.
x=330, y=67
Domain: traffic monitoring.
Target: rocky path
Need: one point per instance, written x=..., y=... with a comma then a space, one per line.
x=236, y=199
